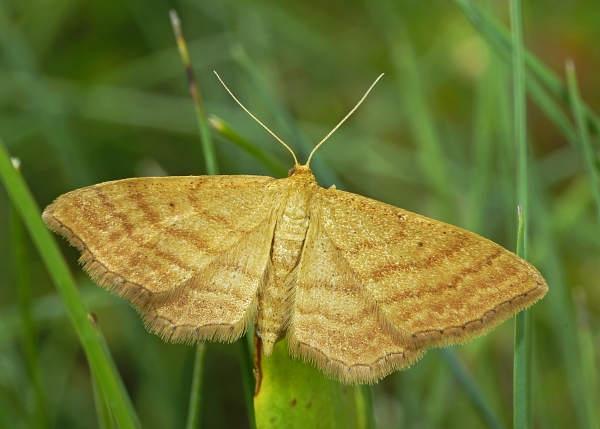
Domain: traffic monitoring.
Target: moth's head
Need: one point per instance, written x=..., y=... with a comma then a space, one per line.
x=299, y=170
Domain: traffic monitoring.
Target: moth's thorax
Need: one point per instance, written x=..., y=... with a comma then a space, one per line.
x=276, y=295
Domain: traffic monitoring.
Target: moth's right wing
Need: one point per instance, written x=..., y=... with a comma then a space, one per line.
x=335, y=323
x=188, y=252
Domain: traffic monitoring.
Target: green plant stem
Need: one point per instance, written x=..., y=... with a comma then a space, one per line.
x=471, y=388
x=268, y=160
x=99, y=358
x=30, y=350
x=364, y=407
x=205, y=136
x=103, y=413
x=194, y=408
x=522, y=416
x=248, y=381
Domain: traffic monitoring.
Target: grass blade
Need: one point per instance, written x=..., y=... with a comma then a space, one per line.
x=583, y=136
x=194, y=410
x=471, y=388
x=248, y=380
x=105, y=420
x=268, y=160
x=522, y=416
x=98, y=357
x=30, y=349
x=500, y=40
x=365, y=418
x=413, y=92
x=208, y=148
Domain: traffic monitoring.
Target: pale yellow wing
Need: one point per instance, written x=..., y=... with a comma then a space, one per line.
x=335, y=323
x=435, y=284
x=188, y=252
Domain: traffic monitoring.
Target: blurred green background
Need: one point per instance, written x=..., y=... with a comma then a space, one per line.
x=93, y=91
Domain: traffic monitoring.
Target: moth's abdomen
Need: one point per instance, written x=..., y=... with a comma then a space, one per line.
x=276, y=295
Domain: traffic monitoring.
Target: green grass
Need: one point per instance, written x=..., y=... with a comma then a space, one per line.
x=90, y=93
x=522, y=414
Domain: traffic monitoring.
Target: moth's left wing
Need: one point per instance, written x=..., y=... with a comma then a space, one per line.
x=188, y=252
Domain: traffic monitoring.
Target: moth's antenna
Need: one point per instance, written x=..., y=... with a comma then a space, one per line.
x=256, y=119
x=343, y=120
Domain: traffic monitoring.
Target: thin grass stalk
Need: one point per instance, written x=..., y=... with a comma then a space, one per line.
x=23, y=282
x=268, y=160
x=98, y=356
x=105, y=420
x=471, y=388
x=499, y=39
x=194, y=409
x=364, y=407
x=208, y=148
x=248, y=380
x=583, y=136
x=522, y=416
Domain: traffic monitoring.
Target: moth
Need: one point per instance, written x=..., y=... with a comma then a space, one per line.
x=358, y=287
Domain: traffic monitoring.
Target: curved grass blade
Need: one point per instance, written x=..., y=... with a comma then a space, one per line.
x=583, y=136
x=98, y=356
x=30, y=349
x=268, y=160
x=193, y=419
x=414, y=91
x=205, y=135
x=471, y=388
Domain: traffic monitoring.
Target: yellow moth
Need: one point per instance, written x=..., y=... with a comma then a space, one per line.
x=360, y=288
